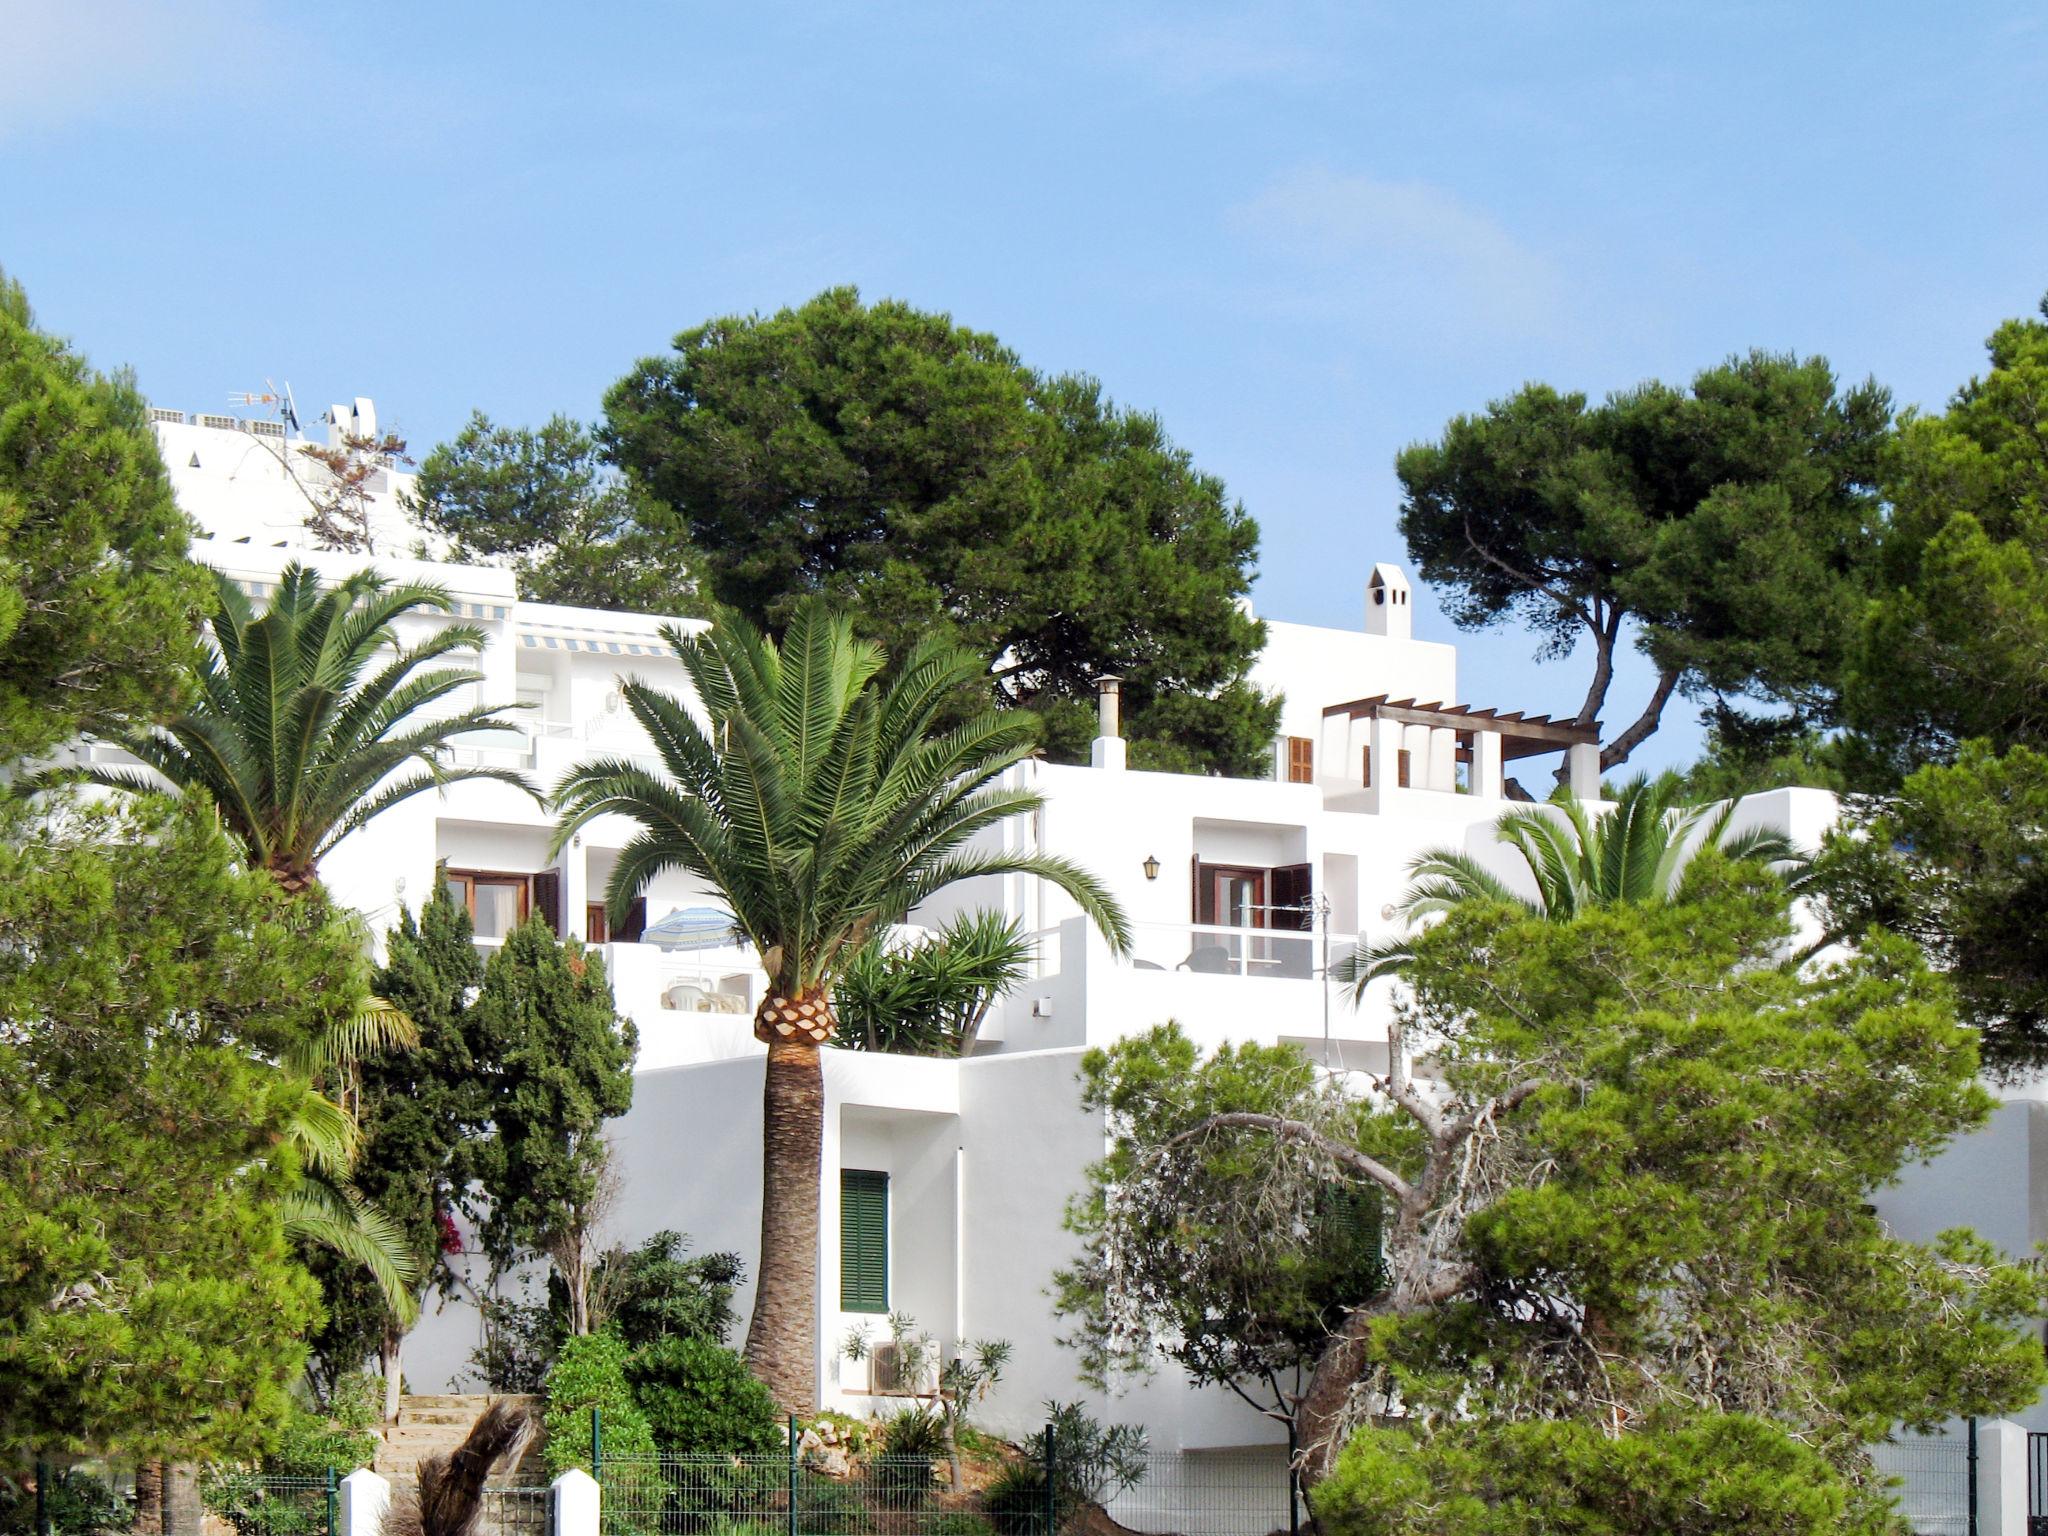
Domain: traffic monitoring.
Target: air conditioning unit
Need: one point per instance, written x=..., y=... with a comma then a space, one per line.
x=885, y=1369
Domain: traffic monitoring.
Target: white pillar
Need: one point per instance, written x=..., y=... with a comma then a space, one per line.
x=1443, y=759
x=2001, y=1478
x=1582, y=761
x=365, y=1498
x=1488, y=766
x=575, y=868
x=1387, y=740
x=573, y=1504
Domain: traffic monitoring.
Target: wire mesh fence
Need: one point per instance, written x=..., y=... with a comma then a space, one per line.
x=1933, y=1473
x=273, y=1504
x=1224, y=1494
x=514, y=1509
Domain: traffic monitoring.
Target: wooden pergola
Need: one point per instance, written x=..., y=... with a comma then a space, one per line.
x=1521, y=735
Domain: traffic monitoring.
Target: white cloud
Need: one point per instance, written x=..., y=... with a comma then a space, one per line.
x=67, y=61
x=1394, y=252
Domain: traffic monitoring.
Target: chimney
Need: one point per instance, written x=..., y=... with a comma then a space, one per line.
x=1386, y=603
x=1108, y=750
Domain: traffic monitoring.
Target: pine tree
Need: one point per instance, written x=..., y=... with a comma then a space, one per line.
x=559, y=1064
x=418, y=1110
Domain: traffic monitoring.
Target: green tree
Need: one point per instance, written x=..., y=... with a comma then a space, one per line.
x=97, y=599
x=544, y=502
x=416, y=1110
x=1947, y=708
x=1957, y=861
x=294, y=738
x=1728, y=522
x=1956, y=645
x=1628, y=1190
x=150, y=987
x=822, y=805
x=920, y=472
x=558, y=1064
x=1252, y=1318
x=931, y=998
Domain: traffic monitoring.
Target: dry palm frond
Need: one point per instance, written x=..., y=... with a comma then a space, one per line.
x=450, y=1495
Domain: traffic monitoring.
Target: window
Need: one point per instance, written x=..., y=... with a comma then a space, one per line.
x=863, y=1240
x=496, y=903
x=1301, y=760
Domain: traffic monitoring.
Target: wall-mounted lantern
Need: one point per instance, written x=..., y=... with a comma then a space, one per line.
x=1151, y=867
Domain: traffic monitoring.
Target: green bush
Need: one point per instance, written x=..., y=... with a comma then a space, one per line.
x=1015, y=1501
x=958, y=1522
x=909, y=1443
x=699, y=1399
x=829, y=1508
x=266, y=1504
x=1712, y=1474
x=77, y=1505
x=590, y=1372
x=343, y=1438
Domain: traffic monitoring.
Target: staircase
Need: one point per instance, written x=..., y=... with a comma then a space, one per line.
x=434, y=1423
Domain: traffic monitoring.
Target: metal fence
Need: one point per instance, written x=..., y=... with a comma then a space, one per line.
x=1935, y=1477
x=787, y=1494
x=274, y=1504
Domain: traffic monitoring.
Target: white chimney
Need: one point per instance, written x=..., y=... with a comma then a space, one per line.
x=1386, y=603
x=1108, y=750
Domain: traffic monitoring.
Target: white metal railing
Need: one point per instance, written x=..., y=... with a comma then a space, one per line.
x=1214, y=949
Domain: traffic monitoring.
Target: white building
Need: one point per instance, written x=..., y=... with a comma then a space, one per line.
x=1238, y=891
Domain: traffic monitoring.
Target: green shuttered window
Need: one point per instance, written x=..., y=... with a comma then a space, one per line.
x=863, y=1240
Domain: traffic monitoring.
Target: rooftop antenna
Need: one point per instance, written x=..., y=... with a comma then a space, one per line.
x=287, y=408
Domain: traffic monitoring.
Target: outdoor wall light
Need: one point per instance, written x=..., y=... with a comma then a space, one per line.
x=1151, y=867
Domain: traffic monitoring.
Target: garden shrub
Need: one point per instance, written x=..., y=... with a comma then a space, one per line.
x=826, y=1507
x=1715, y=1474
x=76, y=1503
x=910, y=1442
x=699, y=1399
x=590, y=1373
x=1015, y=1501
x=958, y=1522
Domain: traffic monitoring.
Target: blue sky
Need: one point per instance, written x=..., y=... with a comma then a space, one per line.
x=1305, y=235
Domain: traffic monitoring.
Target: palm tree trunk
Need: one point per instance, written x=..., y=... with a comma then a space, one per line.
x=183, y=1513
x=782, y=1340
x=149, y=1499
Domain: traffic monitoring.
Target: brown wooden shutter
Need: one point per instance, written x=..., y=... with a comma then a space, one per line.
x=1293, y=896
x=635, y=924
x=1195, y=890
x=547, y=899
x=1365, y=769
x=1301, y=760
x=1401, y=766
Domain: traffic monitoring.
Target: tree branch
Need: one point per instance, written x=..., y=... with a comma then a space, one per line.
x=1302, y=1131
x=1616, y=752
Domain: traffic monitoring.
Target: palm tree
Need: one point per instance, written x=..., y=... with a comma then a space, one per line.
x=1638, y=852
x=824, y=803
x=325, y=1207
x=294, y=738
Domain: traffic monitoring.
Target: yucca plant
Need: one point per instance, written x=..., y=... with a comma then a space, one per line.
x=930, y=999
x=823, y=801
x=299, y=735
x=1637, y=852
